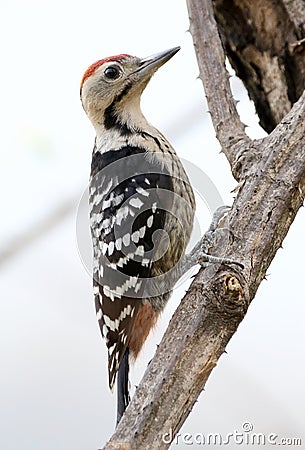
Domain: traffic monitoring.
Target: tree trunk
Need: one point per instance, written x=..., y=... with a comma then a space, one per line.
x=271, y=176
x=265, y=43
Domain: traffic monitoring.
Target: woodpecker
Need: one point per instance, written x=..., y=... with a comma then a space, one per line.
x=141, y=209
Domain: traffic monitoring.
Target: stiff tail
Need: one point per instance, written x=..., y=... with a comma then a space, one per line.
x=123, y=397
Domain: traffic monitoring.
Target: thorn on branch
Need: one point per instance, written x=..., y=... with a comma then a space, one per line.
x=298, y=46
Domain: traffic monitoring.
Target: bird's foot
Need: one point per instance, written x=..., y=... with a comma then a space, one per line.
x=199, y=254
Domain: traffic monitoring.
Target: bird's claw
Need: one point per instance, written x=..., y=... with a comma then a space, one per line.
x=199, y=254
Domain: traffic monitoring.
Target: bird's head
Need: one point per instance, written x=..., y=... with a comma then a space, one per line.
x=110, y=84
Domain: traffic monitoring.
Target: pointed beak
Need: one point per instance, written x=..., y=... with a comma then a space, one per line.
x=152, y=63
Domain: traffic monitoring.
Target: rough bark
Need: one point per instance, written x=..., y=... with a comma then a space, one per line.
x=271, y=175
x=265, y=43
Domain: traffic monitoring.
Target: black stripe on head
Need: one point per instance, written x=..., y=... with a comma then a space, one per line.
x=110, y=117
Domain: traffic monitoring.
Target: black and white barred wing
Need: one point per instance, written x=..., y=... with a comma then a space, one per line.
x=126, y=214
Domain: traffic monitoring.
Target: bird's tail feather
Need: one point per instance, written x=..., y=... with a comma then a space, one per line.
x=123, y=397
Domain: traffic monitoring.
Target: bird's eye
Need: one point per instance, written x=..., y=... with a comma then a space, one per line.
x=112, y=73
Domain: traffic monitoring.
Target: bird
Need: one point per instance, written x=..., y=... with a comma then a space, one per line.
x=142, y=209
x=141, y=205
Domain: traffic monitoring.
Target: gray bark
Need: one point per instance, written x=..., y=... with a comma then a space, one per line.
x=271, y=176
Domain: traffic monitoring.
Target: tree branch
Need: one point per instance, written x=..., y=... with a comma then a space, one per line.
x=296, y=12
x=230, y=131
x=209, y=314
x=264, y=41
x=211, y=311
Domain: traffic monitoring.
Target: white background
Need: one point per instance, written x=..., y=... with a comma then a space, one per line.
x=53, y=381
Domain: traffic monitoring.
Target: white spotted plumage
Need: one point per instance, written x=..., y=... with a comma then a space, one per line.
x=133, y=167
